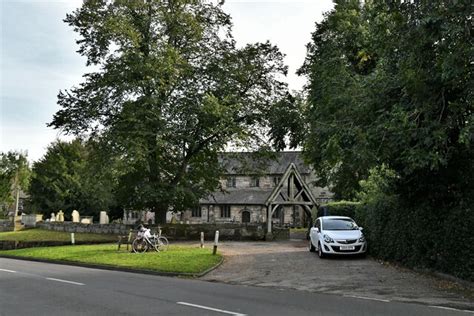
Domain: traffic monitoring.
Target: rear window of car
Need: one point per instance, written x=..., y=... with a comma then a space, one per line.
x=339, y=224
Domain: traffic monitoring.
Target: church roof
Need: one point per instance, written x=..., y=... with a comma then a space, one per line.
x=251, y=196
x=241, y=163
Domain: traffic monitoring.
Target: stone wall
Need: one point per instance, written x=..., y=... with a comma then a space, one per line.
x=6, y=225
x=70, y=227
x=228, y=231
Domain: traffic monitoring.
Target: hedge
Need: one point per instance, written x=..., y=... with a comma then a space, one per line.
x=421, y=236
x=341, y=208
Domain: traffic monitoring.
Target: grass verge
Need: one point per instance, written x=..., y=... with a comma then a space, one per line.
x=177, y=259
x=50, y=235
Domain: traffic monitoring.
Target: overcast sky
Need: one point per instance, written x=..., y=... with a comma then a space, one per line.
x=38, y=57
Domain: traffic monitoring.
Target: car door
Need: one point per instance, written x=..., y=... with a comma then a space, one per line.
x=315, y=232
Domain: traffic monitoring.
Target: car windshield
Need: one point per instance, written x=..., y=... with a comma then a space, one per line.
x=339, y=224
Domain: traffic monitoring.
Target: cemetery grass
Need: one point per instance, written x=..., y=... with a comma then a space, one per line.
x=177, y=259
x=36, y=234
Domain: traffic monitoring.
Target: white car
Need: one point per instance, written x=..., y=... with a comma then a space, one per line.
x=337, y=235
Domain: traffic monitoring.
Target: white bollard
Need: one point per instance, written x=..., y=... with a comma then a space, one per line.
x=216, y=241
x=73, y=241
x=202, y=239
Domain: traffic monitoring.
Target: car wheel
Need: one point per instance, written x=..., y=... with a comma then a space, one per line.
x=311, y=247
x=321, y=254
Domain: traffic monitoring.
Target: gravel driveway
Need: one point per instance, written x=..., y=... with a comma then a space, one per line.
x=289, y=265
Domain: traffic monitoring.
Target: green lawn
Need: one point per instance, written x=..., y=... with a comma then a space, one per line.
x=178, y=259
x=49, y=235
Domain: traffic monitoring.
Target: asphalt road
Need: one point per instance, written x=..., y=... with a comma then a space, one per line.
x=33, y=288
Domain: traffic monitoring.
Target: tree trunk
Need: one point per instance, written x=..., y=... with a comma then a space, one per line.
x=160, y=215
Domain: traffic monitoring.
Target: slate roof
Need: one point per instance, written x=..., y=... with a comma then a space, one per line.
x=251, y=196
x=241, y=163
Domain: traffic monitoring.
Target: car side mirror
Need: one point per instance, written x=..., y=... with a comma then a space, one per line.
x=361, y=228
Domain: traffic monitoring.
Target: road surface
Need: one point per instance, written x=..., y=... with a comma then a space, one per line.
x=33, y=288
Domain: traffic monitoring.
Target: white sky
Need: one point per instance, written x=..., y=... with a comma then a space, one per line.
x=38, y=57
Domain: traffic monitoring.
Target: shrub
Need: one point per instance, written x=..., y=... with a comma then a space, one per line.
x=417, y=234
x=341, y=208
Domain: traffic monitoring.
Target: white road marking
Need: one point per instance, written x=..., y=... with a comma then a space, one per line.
x=5, y=270
x=368, y=298
x=452, y=309
x=211, y=309
x=65, y=281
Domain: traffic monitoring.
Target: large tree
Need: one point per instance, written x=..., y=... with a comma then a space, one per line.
x=392, y=83
x=171, y=91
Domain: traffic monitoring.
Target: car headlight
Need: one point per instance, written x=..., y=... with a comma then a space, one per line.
x=362, y=238
x=328, y=239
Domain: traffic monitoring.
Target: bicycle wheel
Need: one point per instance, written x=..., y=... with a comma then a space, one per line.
x=139, y=245
x=163, y=243
x=155, y=243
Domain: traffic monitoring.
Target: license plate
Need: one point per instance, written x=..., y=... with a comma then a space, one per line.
x=347, y=248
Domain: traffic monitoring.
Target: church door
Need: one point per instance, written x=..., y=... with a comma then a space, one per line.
x=245, y=217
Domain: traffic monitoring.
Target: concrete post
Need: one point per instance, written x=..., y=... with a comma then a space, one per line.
x=216, y=241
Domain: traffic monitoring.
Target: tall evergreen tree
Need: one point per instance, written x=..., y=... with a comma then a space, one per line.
x=69, y=177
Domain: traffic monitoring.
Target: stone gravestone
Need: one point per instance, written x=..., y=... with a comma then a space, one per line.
x=53, y=217
x=60, y=216
x=75, y=216
x=104, y=218
x=173, y=219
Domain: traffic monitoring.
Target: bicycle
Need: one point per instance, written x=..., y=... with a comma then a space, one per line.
x=145, y=240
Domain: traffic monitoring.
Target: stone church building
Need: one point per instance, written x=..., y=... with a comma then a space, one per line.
x=252, y=189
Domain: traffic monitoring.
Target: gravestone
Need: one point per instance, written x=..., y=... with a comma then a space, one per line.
x=60, y=216
x=53, y=217
x=75, y=216
x=103, y=218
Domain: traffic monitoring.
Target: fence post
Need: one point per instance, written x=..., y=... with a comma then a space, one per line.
x=216, y=240
x=73, y=241
x=202, y=239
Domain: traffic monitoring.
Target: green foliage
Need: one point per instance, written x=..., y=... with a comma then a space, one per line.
x=177, y=259
x=14, y=175
x=390, y=116
x=341, y=208
x=70, y=177
x=389, y=84
x=417, y=234
x=172, y=91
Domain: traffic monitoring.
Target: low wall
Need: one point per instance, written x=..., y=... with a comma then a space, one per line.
x=70, y=227
x=173, y=231
x=14, y=244
x=280, y=233
x=6, y=225
x=226, y=231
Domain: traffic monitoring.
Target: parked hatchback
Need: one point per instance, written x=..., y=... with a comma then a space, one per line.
x=337, y=235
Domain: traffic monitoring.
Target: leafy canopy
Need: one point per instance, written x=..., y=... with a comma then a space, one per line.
x=171, y=91
x=392, y=84
x=69, y=177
